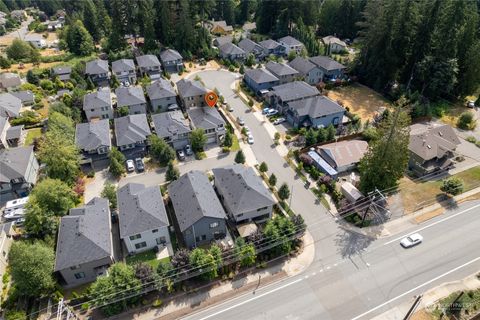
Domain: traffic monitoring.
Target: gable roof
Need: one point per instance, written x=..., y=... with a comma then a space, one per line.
x=241, y=188
x=170, y=55
x=148, y=60
x=280, y=69
x=25, y=96
x=205, y=117
x=9, y=105
x=222, y=24
x=302, y=65
x=316, y=107
x=131, y=129
x=140, y=209
x=170, y=123
x=189, y=88
x=123, y=65
x=432, y=140
x=260, y=75
x=331, y=39
x=34, y=37
x=129, y=96
x=61, y=70
x=92, y=135
x=97, y=67
x=230, y=48
x=290, y=41
x=84, y=235
x=97, y=99
x=14, y=132
x=326, y=63
x=294, y=91
x=222, y=40
x=14, y=163
x=344, y=153
x=193, y=198
x=248, y=45
x=159, y=89
x=269, y=44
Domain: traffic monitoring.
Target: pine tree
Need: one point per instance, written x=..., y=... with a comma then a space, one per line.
x=272, y=180
x=90, y=20
x=240, y=157
x=147, y=12
x=79, y=41
x=172, y=173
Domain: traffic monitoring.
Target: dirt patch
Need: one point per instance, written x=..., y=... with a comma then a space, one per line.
x=28, y=66
x=429, y=215
x=422, y=315
x=212, y=64
x=50, y=52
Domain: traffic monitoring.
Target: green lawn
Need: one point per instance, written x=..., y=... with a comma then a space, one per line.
x=235, y=145
x=32, y=134
x=148, y=257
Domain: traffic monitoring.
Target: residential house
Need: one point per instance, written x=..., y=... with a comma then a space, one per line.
x=98, y=105
x=331, y=69
x=291, y=44
x=272, y=47
x=191, y=93
x=19, y=172
x=199, y=214
x=36, y=40
x=26, y=97
x=248, y=27
x=173, y=128
x=132, y=132
x=231, y=52
x=142, y=218
x=15, y=136
x=243, y=194
x=281, y=95
x=124, y=70
x=85, y=244
x=149, y=65
x=334, y=45
x=93, y=139
x=54, y=25
x=432, y=148
x=6, y=240
x=282, y=71
x=251, y=47
x=4, y=126
x=220, y=27
x=316, y=112
x=343, y=155
x=217, y=42
x=62, y=72
x=172, y=61
x=162, y=96
x=18, y=15
x=132, y=98
x=260, y=80
x=210, y=120
x=9, y=80
x=97, y=70
x=9, y=105
x=310, y=73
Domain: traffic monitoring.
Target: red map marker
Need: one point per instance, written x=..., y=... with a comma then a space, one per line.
x=211, y=99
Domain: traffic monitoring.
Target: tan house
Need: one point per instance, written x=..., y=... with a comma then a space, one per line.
x=220, y=27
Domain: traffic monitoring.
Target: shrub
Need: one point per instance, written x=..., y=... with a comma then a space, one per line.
x=157, y=303
x=452, y=186
x=471, y=139
x=466, y=121
x=85, y=306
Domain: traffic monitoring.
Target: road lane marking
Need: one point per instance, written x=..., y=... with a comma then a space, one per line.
x=417, y=287
x=433, y=224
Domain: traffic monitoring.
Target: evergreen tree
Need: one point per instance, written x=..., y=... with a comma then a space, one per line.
x=147, y=11
x=263, y=167
x=228, y=140
x=272, y=180
x=90, y=20
x=79, y=41
x=284, y=192
x=172, y=173
x=240, y=157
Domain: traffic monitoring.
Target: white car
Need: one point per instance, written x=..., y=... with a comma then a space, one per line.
x=15, y=214
x=250, y=139
x=411, y=240
x=279, y=120
x=247, y=130
x=130, y=165
x=241, y=121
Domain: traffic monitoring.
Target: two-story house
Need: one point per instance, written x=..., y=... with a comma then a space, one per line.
x=36, y=40
x=191, y=93
x=251, y=47
x=281, y=95
x=291, y=44
x=149, y=65
x=124, y=70
x=343, y=155
x=62, y=72
x=260, y=80
x=173, y=128
x=199, y=214
x=316, y=112
x=162, y=96
x=93, y=139
x=98, y=105
x=132, y=132
x=308, y=71
x=9, y=80
x=9, y=105
x=331, y=69
x=142, y=218
x=282, y=71
x=172, y=61
x=6, y=240
x=98, y=71
x=231, y=52
x=26, y=97
x=210, y=120
x=272, y=47
x=132, y=98
x=219, y=27
x=85, y=244
x=334, y=45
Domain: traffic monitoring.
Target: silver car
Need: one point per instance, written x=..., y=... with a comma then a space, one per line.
x=411, y=240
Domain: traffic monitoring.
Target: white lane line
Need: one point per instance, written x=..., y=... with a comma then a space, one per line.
x=417, y=287
x=434, y=223
x=251, y=299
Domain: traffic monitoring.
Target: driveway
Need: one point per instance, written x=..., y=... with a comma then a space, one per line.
x=7, y=38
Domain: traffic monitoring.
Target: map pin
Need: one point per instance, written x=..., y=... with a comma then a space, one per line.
x=211, y=99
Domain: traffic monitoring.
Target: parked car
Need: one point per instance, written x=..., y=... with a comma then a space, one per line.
x=266, y=110
x=15, y=214
x=271, y=112
x=411, y=240
x=188, y=150
x=139, y=164
x=229, y=108
x=19, y=222
x=130, y=165
x=279, y=120
x=470, y=104
x=247, y=130
x=181, y=155
x=250, y=139
x=241, y=121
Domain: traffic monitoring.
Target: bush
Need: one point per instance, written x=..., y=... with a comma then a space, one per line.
x=452, y=186
x=466, y=121
x=157, y=303
x=471, y=139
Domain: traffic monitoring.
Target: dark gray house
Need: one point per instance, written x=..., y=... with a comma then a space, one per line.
x=93, y=139
x=210, y=120
x=62, y=72
x=132, y=132
x=191, y=93
x=85, y=244
x=217, y=42
x=199, y=213
x=9, y=105
x=148, y=65
x=281, y=95
x=98, y=105
x=310, y=73
x=161, y=95
x=291, y=44
x=330, y=68
x=260, y=80
x=124, y=70
x=282, y=71
x=133, y=98
x=98, y=72
x=10, y=136
x=272, y=47
x=173, y=128
x=26, y=96
x=231, y=52
x=172, y=61
x=316, y=112
x=251, y=47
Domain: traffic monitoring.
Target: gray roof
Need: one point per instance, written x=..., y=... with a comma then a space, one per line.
x=14, y=132
x=302, y=65
x=269, y=44
x=280, y=69
x=260, y=75
x=290, y=41
x=170, y=55
x=160, y=89
x=97, y=99
x=230, y=48
x=25, y=96
x=129, y=96
x=170, y=123
x=193, y=198
x=148, y=60
x=140, y=209
x=34, y=37
x=9, y=105
x=131, y=129
x=123, y=65
x=189, y=88
x=331, y=39
x=92, y=135
x=205, y=117
x=248, y=45
x=3, y=124
x=430, y=141
x=97, y=67
x=62, y=70
x=326, y=63
x=14, y=163
x=294, y=90
x=84, y=235
x=222, y=40
x=316, y=107
x=241, y=188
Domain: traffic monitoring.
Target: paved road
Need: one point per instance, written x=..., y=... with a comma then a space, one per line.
x=20, y=32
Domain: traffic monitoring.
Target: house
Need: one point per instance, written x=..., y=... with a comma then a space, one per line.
x=191, y=93
x=161, y=95
x=217, y=42
x=132, y=132
x=432, y=147
x=172, y=61
x=149, y=65
x=54, y=25
x=124, y=70
x=248, y=27
x=26, y=97
x=343, y=155
x=36, y=40
x=291, y=44
x=9, y=105
x=282, y=71
x=260, y=80
x=220, y=27
x=62, y=72
x=316, y=112
x=272, y=47
x=9, y=80
x=310, y=73
x=334, y=45
x=331, y=69
x=281, y=95
x=98, y=105
x=10, y=136
x=243, y=194
x=6, y=240
x=93, y=139
x=251, y=47
x=4, y=127
x=132, y=98
x=231, y=52
x=97, y=70
x=18, y=15
x=199, y=213
x=19, y=172
x=142, y=218
x=210, y=120
x=173, y=128
x=85, y=244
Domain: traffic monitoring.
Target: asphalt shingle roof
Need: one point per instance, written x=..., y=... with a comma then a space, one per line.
x=14, y=132
x=432, y=141
x=269, y=44
x=331, y=39
x=25, y=96
x=290, y=41
x=170, y=55
x=129, y=96
x=62, y=70
x=92, y=135
x=9, y=105
x=148, y=60
x=248, y=45
x=14, y=163
x=205, y=117
x=345, y=153
x=294, y=90
x=97, y=67
x=280, y=69
x=170, y=123
x=188, y=88
x=131, y=129
x=316, y=107
x=230, y=48
x=326, y=63
x=302, y=65
x=160, y=89
x=260, y=75
x=123, y=65
x=222, y=40
x=97, y=99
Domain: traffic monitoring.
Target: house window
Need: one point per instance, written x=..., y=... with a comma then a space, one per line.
x=204, y=237
x=140, y=245
x=136, y=236
x=80, y=275
x=197, y=239
x=154, y=230
x=74, y=267
x=261, y=209
x=213, y=225
x=240, y=215
x=161, y=240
